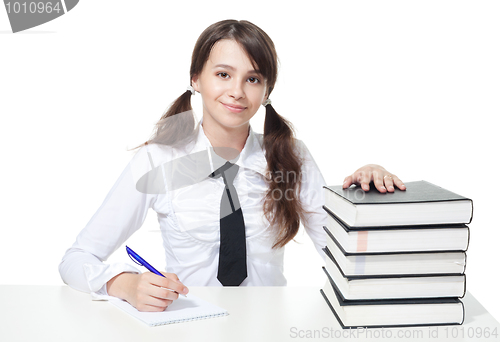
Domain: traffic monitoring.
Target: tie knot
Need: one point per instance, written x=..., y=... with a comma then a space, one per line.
x=228, y=172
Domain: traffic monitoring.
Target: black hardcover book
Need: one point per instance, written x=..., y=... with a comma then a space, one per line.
x=392, y=312
x=422, y=203
x=359, y=287
x=364, y=263
x=443, y=237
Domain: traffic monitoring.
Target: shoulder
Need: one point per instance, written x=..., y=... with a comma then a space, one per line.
x=150, y=156
x=302, y=150
x=310, y=168
x=300, y=146
x=157, y=154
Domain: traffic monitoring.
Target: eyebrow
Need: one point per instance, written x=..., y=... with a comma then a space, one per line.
x=226, y=66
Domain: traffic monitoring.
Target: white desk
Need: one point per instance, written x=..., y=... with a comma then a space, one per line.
x=59, y=313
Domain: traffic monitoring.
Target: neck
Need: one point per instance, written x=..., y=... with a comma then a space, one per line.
x=220, y=136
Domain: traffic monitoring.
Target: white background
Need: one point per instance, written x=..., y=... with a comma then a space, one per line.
x=411, y=85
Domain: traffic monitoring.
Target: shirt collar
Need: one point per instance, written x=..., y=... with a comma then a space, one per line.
x=252, y=157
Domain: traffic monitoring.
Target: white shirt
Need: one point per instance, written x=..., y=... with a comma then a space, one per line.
x=188, y=215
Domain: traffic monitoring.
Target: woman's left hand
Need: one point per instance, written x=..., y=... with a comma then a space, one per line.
x=384, y=180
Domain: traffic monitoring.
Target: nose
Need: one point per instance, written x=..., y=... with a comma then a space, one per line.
x=236, y=90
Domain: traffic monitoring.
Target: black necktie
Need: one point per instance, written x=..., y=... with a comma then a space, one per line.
x=232, y=250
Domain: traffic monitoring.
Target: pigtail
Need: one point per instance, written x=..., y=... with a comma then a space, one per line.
x=282, y=206
x=177, y=126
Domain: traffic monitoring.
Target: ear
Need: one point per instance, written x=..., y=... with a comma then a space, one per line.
x=266, y=96
x=195, y=83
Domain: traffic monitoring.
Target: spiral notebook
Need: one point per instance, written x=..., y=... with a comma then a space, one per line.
x=183, y=309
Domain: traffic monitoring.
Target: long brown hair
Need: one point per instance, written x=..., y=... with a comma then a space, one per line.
x=282, y=206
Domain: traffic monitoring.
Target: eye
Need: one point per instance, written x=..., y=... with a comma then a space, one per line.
x=253, y=80
x=223, y=75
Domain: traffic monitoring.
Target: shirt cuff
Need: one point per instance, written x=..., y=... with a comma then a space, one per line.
x=99, y=274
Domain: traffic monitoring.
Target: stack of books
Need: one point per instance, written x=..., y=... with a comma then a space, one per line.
x=396, y=259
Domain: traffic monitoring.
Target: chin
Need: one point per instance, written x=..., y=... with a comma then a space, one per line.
x=233, y=123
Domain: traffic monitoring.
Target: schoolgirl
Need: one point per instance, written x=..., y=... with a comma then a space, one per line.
x=228, y=199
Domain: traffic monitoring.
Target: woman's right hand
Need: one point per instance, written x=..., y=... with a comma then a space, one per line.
x=147, y=291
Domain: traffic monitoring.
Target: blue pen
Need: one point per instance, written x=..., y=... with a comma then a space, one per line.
x=140, y=261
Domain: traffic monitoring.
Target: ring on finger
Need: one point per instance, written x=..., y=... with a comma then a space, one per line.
x=387, y=176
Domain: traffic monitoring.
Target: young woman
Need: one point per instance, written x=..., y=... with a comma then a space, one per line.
x=205, y=204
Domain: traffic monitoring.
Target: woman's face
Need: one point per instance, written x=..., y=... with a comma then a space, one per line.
x=231, y=89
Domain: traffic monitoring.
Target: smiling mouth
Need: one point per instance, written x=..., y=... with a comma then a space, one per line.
x=234, y=108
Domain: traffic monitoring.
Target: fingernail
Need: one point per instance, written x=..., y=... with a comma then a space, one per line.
x=391, y=188
x=185, y=290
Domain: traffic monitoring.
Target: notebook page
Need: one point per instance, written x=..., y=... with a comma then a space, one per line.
x=181, y=310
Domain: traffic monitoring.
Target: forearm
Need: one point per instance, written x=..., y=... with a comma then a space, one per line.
x=72, y=269
x=121, y=284
x=85, y=272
